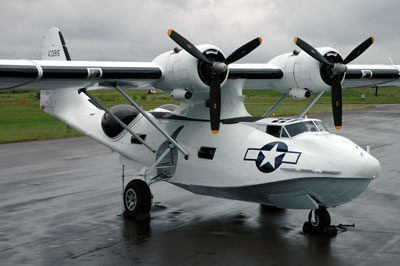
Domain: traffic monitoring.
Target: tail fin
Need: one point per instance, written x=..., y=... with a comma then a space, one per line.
x=53, y=46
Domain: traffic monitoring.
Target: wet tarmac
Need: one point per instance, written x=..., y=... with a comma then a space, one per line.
x=61, y=204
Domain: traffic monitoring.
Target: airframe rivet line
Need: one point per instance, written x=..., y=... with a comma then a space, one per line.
x=140, y=110
x=122, y=124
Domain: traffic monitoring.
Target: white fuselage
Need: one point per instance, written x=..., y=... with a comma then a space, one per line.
x=315, y=168
x=305, y=171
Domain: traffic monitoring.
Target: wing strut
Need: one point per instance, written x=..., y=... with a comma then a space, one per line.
x=140, y=110
x=273, y=107
x=310, y=104
x=98, y=104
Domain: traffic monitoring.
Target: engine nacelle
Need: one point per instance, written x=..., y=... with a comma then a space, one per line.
x=183, y=71
x=300, y=94
x=303, y=71
x=181, y=95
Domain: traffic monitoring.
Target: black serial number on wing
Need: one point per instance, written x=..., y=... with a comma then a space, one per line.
x=54, y=53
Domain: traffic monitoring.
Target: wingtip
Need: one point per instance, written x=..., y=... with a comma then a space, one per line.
x=260, y=40
x=338, y=127
x=372, y=39
x=215, y=131
x=169, y=32
x=295, y=40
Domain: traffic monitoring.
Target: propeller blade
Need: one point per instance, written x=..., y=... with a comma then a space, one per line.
x=359, y=50
x=337, y=101
x=215, y=104
x=311, y=51
x=243, y=51
x=188, y=46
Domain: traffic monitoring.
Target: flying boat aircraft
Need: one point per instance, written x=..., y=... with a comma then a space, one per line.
x=210, y=144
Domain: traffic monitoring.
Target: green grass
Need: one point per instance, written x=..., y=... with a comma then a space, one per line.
x=22, y=120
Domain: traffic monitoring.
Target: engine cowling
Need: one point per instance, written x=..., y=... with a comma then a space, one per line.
x=313, y=75
x=183, y=71
x=304, y=72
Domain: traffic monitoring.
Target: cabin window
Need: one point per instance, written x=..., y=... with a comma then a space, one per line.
x=206, y=153
x=134, y=140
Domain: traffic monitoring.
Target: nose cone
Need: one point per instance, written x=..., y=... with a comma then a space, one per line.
x=356, y=162
x=334, y=153
x=369, y=167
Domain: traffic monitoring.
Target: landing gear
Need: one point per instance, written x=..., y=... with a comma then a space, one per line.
x=318, y=221
x=137, y=198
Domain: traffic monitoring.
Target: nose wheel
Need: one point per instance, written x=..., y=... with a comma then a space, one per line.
x=318, y=221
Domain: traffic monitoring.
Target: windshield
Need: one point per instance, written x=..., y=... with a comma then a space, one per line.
x=320, y=125
x=307, y=126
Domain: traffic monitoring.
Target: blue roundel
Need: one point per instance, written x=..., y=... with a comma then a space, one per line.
x=270, y=156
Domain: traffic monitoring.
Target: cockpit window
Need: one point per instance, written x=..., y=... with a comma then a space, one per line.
x=300, y=127
x=311, y=126
x=274, y=131
x=284, y=133
x=320, y=125
x=295, y=129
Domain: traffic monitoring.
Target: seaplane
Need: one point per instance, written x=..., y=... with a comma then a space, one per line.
x=209, y=144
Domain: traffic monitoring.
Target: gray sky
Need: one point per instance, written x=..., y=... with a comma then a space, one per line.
x=132, y=30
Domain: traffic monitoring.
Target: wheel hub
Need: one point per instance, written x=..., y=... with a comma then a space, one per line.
x=130, y=199
x=315, y=222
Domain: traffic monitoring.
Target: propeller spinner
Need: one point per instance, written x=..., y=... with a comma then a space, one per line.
x=215, y=68
x=335, y=70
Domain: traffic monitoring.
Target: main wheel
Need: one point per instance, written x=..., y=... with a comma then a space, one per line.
x=137, y=198
x=322, y=220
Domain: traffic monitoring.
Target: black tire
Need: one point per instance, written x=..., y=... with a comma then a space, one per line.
x=322, y=220
x=137, y=198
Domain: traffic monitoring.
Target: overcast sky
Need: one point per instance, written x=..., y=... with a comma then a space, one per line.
x=132, y=30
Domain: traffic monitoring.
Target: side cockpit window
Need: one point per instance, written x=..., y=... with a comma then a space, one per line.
x=320, y=125
x=310, y=126
x=274, y=131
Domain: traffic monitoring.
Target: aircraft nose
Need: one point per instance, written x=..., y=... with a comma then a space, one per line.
x=370, y=167
x=353, y=160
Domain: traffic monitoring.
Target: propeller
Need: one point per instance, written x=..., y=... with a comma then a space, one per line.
x=215, y=69
x=334, y=72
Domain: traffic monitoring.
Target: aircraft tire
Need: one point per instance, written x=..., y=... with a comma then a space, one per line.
x=322, y=220
x=137, y=198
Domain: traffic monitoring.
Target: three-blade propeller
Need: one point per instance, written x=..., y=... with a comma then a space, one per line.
x=335, y=70
x=216, y=68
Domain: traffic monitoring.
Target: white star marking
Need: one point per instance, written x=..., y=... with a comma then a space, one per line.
x=270, y=156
